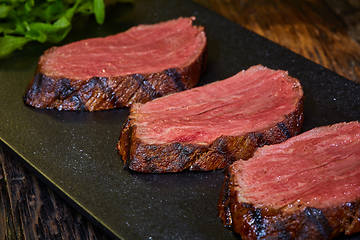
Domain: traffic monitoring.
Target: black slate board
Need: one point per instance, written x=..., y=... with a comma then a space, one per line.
x=75, y=151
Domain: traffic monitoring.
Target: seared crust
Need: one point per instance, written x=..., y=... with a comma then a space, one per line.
x=294, y=221
x=101, y=93
x=176, y=157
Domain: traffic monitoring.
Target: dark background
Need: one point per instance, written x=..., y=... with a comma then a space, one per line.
x=76, y=151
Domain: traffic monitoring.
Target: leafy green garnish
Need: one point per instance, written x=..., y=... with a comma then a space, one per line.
x=99, y=10
x=22, y=21
x=8, y=44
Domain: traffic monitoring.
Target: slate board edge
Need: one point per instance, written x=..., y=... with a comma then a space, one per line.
x=67, y=197
x=62, y=193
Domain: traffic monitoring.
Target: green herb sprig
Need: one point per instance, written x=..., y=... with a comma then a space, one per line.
x=22, y=21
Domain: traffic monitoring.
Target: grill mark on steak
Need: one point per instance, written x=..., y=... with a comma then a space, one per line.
x=225, y=197
x=259, y=223
x=88, y=88
x=36, y=87
x=102, y=84
x=65, y=89
x=306, y=223
x=79, y=105
x=306, y=188
x=40, y=84
x=108, y=83
x=146, y=86
x=93, y=92
x=181, y=152
x=112, y=97
x=220, y=154
x=127, y=138
x=284, y=130
x=134, y=95
x=317, y=218
x=283, y=234
x=176, y=77
x=261, y=140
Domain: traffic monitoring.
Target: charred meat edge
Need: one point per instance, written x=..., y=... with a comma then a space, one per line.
x=102, y=93
x=175, y=157
x=294, y=221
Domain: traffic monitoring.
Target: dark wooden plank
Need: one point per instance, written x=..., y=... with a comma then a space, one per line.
x=30, y=210
x=324, y=31
x=7, y=228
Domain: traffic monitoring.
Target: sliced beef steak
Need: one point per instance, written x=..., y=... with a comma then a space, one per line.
x=307, y=187
x=143, y=63
x=208, y=127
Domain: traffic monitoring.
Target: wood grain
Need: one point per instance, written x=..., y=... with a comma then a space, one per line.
x=325, y=31
x=322, y=31
x=31, y=210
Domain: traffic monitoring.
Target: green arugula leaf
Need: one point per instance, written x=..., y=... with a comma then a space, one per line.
x=50, y=11
x=99, y=10
x=22, y=21
x=9, y=44
x=4, y=10
x=86, y=8
x=6, y=28
x=56, y=32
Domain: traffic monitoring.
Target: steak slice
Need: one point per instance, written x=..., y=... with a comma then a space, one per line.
x=208, y=127
x=307, y=187
x=143, y=63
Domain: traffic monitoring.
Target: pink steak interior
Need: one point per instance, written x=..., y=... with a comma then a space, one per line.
x=251, y=100
x=318, y=168
x=141, y=49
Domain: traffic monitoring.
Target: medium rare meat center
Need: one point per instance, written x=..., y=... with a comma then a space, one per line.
x=208, y=127
x=143, y=63
x=307, y=187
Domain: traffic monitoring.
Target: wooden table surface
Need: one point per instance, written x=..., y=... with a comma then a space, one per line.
x=325, y=31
